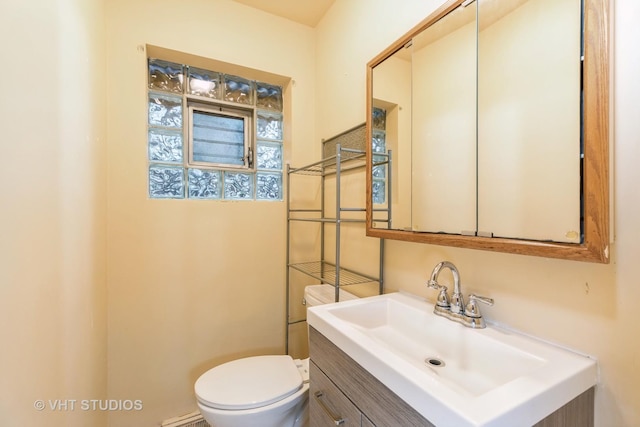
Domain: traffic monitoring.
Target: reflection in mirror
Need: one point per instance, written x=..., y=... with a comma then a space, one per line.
x=529, y=119
x=443, y=184
x=392, y=100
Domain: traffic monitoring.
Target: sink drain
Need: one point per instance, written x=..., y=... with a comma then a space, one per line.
x=434, y=361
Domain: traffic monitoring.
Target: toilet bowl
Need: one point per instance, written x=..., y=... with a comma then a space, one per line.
x=261, y=391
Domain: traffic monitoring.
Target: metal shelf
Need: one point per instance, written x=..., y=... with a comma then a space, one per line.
x=342, y=153
x=329, y=220
x=351, y=159
x=327, y=273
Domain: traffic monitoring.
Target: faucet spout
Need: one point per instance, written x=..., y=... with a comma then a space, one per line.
x=453, y=308
x=457, y=301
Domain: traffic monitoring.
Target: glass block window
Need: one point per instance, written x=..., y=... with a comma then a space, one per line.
x=204, y=83
x=379, y=145
x=166, y=182
x=379, y=191
x=269, y=126
x=165, y=76
x=238, y=185
x=165, y=145
x=238, y=90
x=212, y=136
x=269, y=97
x=379, y=119
x=269, y=186
x=165, y=111
x=269, y=155
x=204, y=184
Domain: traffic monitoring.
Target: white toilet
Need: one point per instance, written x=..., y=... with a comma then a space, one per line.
x=261, y=391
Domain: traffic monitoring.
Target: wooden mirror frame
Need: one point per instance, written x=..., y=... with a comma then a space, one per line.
x=595, y=174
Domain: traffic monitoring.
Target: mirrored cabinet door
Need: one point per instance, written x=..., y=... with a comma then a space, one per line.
x=529, y=109
x=443, y=184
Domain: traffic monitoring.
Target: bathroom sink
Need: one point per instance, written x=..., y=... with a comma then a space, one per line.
x=451, y=374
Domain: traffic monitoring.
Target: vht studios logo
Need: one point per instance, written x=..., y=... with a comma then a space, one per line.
x=88, y=405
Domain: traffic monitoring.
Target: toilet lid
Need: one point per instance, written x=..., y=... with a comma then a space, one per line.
x=249, y=383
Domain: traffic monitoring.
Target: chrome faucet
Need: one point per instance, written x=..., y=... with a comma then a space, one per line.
x=456, y=304
x=454, y=308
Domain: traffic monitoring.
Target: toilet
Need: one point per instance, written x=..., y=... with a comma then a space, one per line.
x=261, y=391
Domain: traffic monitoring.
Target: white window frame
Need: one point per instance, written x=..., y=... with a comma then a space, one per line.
x=222, y=109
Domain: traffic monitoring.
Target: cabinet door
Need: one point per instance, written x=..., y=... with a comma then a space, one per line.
x=327, y=404
x=372, y=398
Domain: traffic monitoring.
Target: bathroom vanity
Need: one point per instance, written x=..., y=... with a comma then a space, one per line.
x=350, y=393
x=342, y=390
x=368, y=368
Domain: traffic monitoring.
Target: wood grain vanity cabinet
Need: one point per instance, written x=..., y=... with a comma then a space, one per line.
x=328, y=405
x=348, y=387
x=341, y=389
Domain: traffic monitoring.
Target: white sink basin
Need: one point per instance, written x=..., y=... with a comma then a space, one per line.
x=451, y=374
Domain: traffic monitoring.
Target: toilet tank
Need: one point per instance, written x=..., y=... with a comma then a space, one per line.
x=324, y=294
x=298, y=339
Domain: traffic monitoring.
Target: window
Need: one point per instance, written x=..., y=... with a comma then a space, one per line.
x=379, y=146
x=212, y=135
x=219, y=137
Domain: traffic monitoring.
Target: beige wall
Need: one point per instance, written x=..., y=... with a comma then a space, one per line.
x=53, y=220
x=181, y=298
x=192, y=283
x=589, y=307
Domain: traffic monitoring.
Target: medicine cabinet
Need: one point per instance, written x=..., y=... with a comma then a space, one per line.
x=497, y=112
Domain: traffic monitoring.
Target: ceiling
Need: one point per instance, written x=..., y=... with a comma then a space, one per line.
x=306, y=12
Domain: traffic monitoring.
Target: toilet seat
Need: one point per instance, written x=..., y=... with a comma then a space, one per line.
x=249, y=383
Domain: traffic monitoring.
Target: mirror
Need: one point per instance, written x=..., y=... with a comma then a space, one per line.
x=529, y=150
x=392, y=133
x=443, y=137
x=490, y=145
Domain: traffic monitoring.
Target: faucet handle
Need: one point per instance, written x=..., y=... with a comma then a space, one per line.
x=443, y=297
x=472, y=309
x=433, y=284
